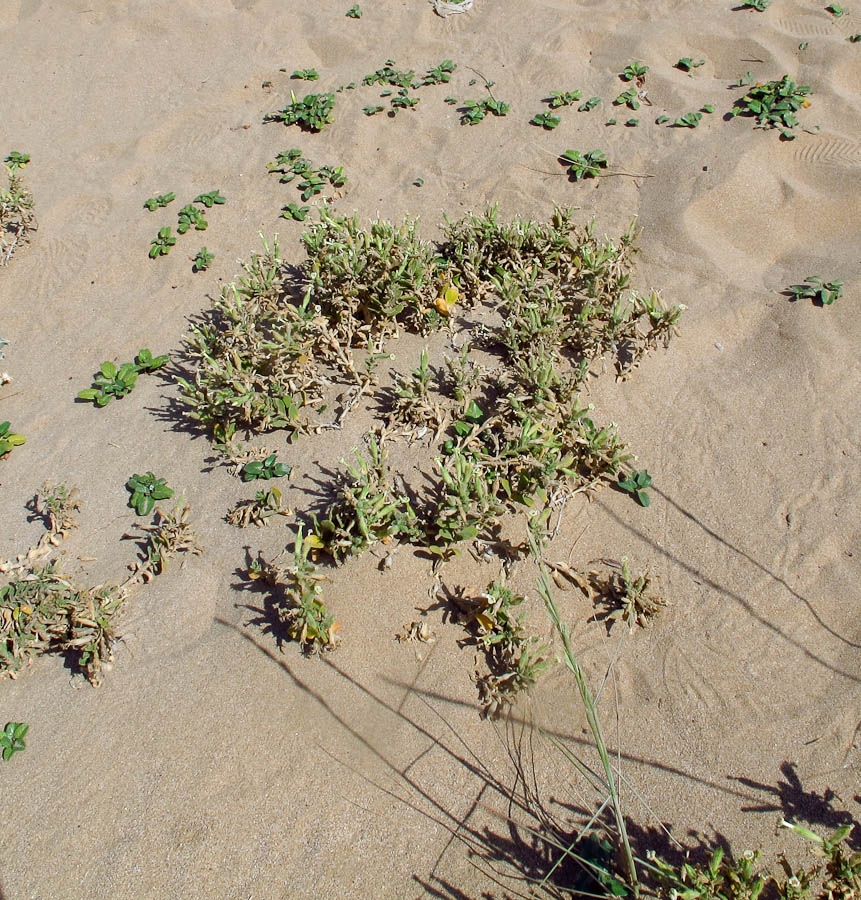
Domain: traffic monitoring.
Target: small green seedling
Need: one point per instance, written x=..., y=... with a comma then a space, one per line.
x=201, y=262
x=354, y=12
x=583, y=165
x=312, y=113
x=707, y=108
x=545, y=120
x=306, y=74
x=588, y=105
x=563, y=98
x=289, y=163
x=476, y=110
x=804, y=45
x=114, y=382
x=661, y=120
x=611, y=121
x=191, y=216
x=16, y=160
x=387, y=74
x=211, y=198
x=265, y=470
x=688, y=120
x=450, y=100
x=162, y=243
x=159, y=201
x=634, y=71
x=314, y=182
x=629, y=98
x=632, y=123
x=774, y=104
x=758, y=5
x=110, y=383
x=686, y=63
x=835, y=10
x=12, y=739
x=637, y=484
x=743, y=80
x=403, y=101
x=817, y=290
x=145, y=490
x=854, y=38
x=440, y=74
x=463, y=426
x=294, y=211
x=146, y=362
x=373, y=110
x=8, y=440
x=419, y=182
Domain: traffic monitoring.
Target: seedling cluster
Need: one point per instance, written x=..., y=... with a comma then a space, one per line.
x=265, y=469
x=202, y=260
x=634, y=71
x=9, y=440
x=159, y=201
x=12, y=739
x=405, y=80
x=814, y=288
x=113, y=382
x=686, y=63
x=637, y=484
x=291, y=164
x=145, y=490
x=312, y=113
x=476, y=110
x=774, y=105
x=629, y=98
x=190, y=216
x=583, y=165
x=306, y=74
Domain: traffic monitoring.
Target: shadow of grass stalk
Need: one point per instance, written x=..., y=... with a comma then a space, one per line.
x=586, y=697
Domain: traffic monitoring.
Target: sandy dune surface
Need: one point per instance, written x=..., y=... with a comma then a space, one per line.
x=214, y=763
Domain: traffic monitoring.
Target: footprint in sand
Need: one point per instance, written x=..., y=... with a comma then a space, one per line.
x=53, y=266
x=829, y=150
x=805, y=26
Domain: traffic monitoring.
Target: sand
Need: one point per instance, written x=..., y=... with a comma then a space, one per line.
x=213, y=763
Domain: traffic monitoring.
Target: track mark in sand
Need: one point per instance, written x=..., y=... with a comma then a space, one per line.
x=87, y=209
x=185, y=134
x=696, y=675
x=802, y=27
x=832, y=151
x=57, y=264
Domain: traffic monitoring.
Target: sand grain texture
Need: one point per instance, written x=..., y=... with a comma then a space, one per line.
x=214, y=763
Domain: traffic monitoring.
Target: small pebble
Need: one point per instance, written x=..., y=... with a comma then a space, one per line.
x=719, y=346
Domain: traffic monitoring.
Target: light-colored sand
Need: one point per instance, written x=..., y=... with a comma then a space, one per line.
x=213, y=764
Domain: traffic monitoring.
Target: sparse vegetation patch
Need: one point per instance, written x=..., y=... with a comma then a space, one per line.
x=17, y=219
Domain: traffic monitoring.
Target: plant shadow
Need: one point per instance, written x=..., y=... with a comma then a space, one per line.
x=797, y=804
